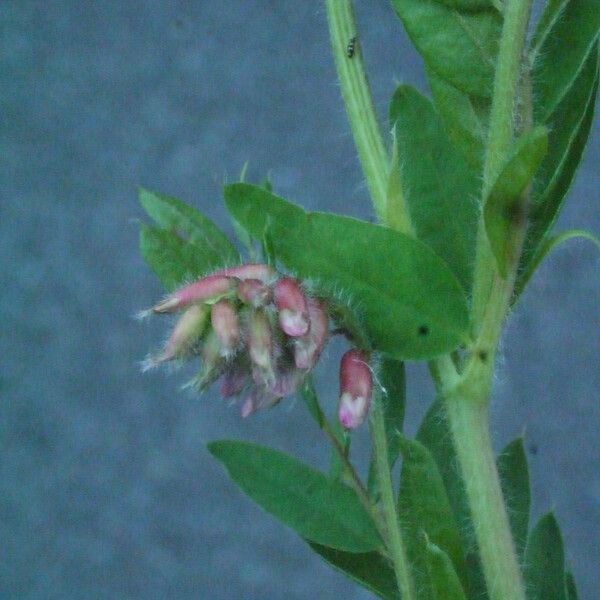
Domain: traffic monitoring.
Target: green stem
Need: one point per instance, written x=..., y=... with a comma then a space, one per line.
x=500, y=136
x=394, y=534
x=355, y=481
x=359, y=104
x=468, y=419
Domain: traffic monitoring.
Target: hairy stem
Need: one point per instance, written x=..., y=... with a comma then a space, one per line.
x=500, y=136
x=355, y=482
x=359, y=104
x=394, y=535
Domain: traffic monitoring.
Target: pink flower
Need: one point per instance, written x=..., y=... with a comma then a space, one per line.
x=356, y=385
x=291, y=305
x=225, y=323
x=203, y=290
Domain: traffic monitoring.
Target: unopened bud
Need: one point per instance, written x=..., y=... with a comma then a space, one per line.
x=187, y=331
x=205, y=289
x=260, y=343
x=292, y=307
x=234, y=380
x=356, y=384
x=259, y=398
x=225, y=323
x=308, y=347
x=254, y=292
x=258, y=271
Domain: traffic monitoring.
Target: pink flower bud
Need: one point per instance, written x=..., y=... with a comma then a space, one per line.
x=356, y=384
x=258, y=271
x=185, y=335
x=259, y=398
x=234, y=380
x=205, y=289
x=260, y=343
x=187, y=331
x=286, y=382
x=254, y=292
x=225, y=323
x=308, y=347
x=291, y=304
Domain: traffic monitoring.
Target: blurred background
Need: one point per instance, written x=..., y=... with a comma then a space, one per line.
x=106, y=489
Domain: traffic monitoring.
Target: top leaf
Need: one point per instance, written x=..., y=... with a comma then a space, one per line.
x=413, y=305
x=501, y=207
x=460, y=46
x=440, y=187
x=188, y=223
x=566, y=36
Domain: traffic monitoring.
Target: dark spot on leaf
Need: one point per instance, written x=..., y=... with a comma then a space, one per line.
x=423, y=330
x=483, y=355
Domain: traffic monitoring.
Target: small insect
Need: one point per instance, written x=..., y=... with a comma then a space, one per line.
x=351, y=47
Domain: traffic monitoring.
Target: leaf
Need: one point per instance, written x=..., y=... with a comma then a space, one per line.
x=392, y=376
x=369, y=569
x=423, y=506
x=562, y=52
x=571, y=589
x=549, y=203
x=461, y=47
x=434, y=434
x=551, y=13
x=189, y=224
x=319, y=509
x=544, y=565
x=173, y=260
x=514, y=479
x=546, y=247
x=439, y=185
x=502, y=206
x=461, y=120
x=444, y=580
x=565, y=123
x=413, y=306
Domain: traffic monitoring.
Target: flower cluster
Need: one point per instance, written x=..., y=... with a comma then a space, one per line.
x=260, y=334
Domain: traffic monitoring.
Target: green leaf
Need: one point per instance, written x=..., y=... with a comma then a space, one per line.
x=546, y=247
x=444, y=581
x=460, y=47
x=392, y=376
x=565, y=123
x=368, y=569
x=434, y=434
x=189, y=224
x=571, y=589
x=514, y=479
x=562, y=52
x=544, y=564
x=424, y=507
x=413, y=306
x=463, y=124
x=173, y=260
x=502, y=206
x=439, y=185
x=321, y=510
x=551, y=13
x=549, y=202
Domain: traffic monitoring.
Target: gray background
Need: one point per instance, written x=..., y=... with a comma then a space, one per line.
x=106, y=490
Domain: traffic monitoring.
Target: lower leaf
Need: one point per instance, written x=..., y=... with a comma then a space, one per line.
x=319, y=509
x=370, y=570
